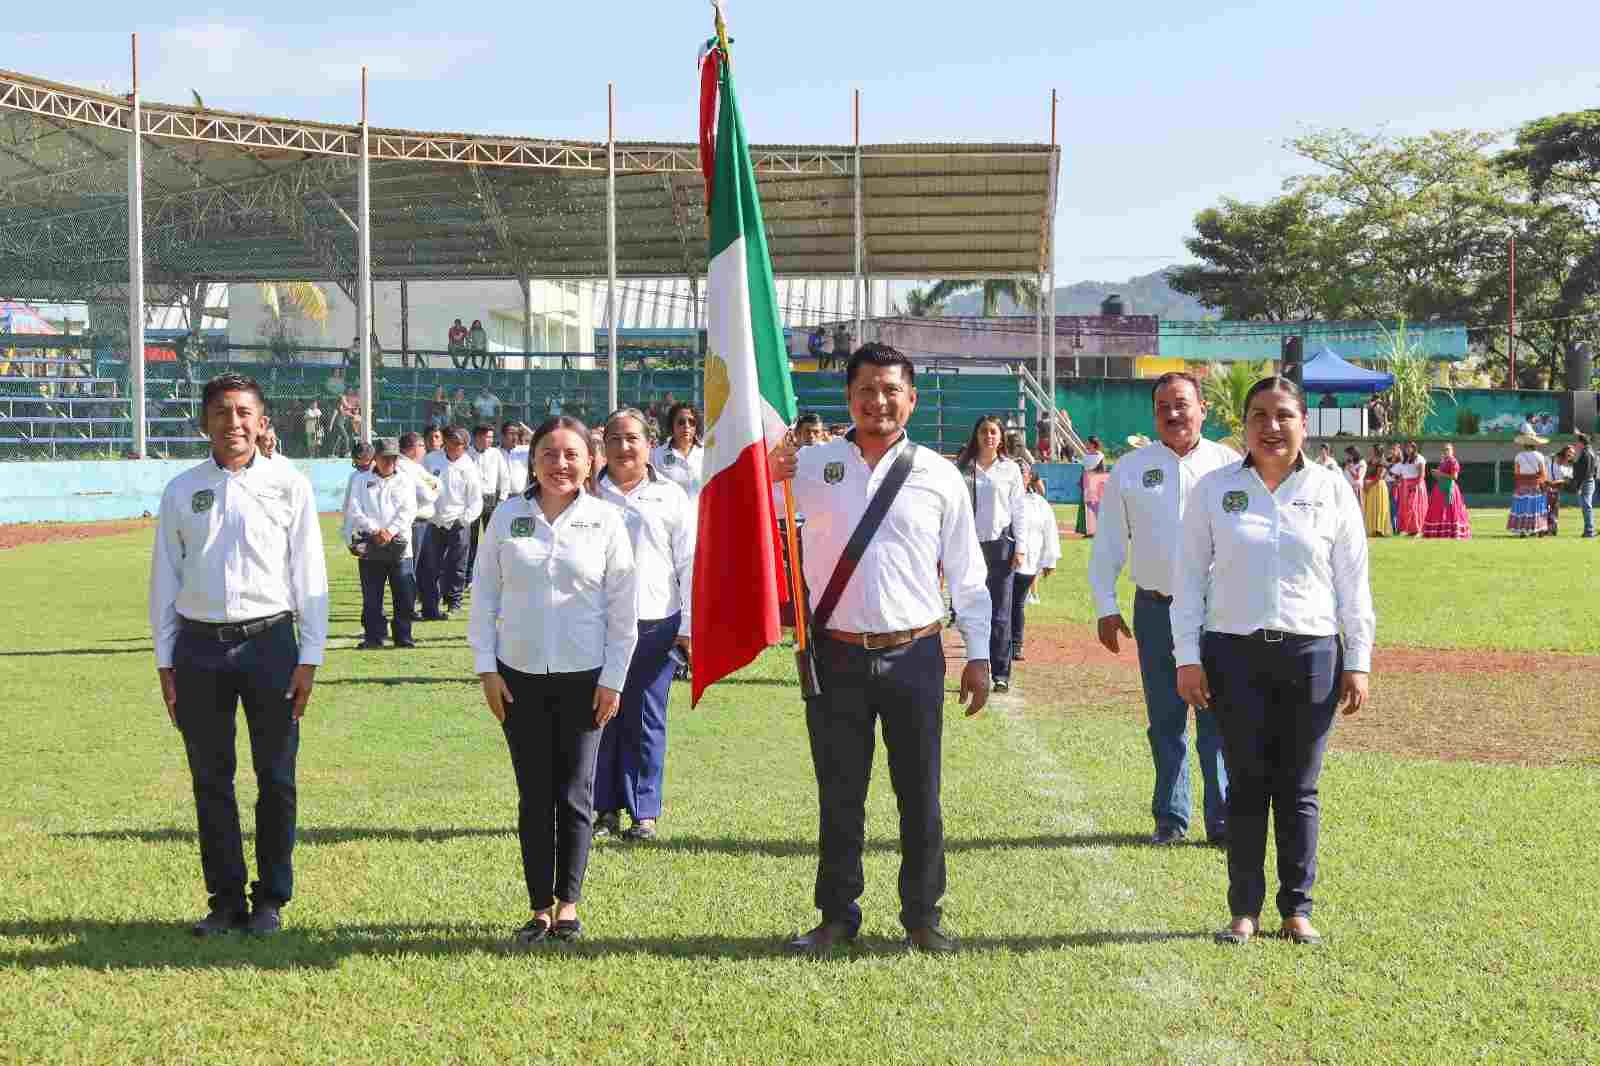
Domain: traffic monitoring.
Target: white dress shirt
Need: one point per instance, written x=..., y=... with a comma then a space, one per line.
x=1093, y=461
x=236, y=546
x=378, y=502
x=555, y=599
x=673, y=465
x=494, y=476
x=1040, y=541
x=896, y=585
x=460, y=491
x=999, y=491
x=662, y=526
x=1140, y=515
x=349, y=487
x=427, y=486
x=516, y=469
x=1293, y=560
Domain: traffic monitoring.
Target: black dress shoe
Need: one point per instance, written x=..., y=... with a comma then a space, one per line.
x=1167, y=835
x=642, y=831
x=1002, y=684
x=220, y=921
x=405, y=644
x=933, y=940
x=264, y=920
x=821, y=940
x=566, y=930
x=435, y=617
x=608, y=824
x=370, y=645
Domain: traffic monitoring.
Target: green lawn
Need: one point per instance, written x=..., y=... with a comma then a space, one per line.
x=1458, y=899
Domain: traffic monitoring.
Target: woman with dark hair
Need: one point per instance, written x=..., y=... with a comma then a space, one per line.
x=680, y=457
x=1040, y=549
x=994, y=484
x=1272, y=569
x=553, y=629
x=1413, y=496
x=1375, y=508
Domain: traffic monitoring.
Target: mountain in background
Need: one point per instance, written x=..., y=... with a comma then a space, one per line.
x=1147, y=294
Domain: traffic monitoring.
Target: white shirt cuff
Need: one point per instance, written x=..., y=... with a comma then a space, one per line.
x=484, y=663
x=1358, y=660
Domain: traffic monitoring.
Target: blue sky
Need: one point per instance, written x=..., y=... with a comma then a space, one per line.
x=1165, y=107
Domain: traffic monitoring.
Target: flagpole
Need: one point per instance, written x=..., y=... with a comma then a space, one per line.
x=796, y=579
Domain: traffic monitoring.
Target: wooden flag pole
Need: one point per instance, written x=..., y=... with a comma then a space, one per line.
x=796, y=579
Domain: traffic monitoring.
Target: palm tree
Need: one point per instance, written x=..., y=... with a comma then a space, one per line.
x=921, y=304
x=306, y=297
x=1024, y=294
x=1225, y=391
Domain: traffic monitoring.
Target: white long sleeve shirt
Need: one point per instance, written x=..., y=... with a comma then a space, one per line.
x=427, y=487
x=494, y=476
x=662, y=526
x=383, y=503
x=516, y=469
x=460, y=491
x=1141, y=514
x=1294, y=560
x=555, y=598
x=999, y=491
x=237, y=546
x=896, y=585
x=1040, y=541
x=686, y=470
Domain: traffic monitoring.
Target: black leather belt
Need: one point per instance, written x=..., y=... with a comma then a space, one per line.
x=235, y=632
x=1151, y=594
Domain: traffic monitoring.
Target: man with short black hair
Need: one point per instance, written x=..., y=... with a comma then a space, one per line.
x=459, y=504
x=1583, y=480
x=382, y=508
x=237, y=562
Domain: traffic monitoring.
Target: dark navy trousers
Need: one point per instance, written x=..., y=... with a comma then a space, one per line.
x=1168, y=731
x=904, y=689
x=1275, y=703
x=442, y=570
x=213, y=677
x=633, y=747
x=1020, y=586
x=997, y=556
x=401, y=579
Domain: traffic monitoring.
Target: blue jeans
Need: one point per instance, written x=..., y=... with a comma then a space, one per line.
x=1169, y=727
x=633, y=748
x=1586, y=504
x=401, y=577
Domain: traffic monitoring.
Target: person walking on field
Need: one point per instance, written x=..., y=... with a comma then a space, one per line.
x=1039, y=547
x=237, y=563
x=1141, y=515
x=997, y=494
x=876, y=611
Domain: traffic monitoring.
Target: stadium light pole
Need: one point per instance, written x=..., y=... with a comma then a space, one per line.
x=364, y=281
x=860, y=250
x=612, y=355
x=1050, y=274
x=136, y=264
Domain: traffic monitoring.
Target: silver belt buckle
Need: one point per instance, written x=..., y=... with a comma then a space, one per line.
x=1272, y=636
x=869, y=642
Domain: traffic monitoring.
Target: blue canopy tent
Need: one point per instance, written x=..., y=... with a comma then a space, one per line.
x=1326, y=372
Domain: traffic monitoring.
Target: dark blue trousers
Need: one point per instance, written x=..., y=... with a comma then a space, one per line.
x=633, y=747
x=904, y=688
x=402, y=581
x=997, y=557
x=1020, y=584
x=1275, y=703
x=445, y=573
x=213, y=678
x=1168, y=731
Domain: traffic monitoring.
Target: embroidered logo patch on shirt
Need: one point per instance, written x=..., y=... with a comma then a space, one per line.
x=202, y=500
x=1234, y=502
x=833, y=473
x=1153, y=478
x=669, y=459
x=522, y=527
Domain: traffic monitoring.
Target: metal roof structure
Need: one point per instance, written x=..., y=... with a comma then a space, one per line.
x=235, y=197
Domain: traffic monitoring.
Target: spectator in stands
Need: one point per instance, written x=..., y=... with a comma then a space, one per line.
x=378, y=518
x=680, y=457
x=313, y=429
x=460, y=409
x=816, y=345
x=346, y=423
x=457, y=343
x=841, y=346
x=438, y=409
x=487, y=405
x=478, y=341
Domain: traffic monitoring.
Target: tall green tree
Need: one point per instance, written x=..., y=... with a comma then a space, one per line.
x=1259, y=261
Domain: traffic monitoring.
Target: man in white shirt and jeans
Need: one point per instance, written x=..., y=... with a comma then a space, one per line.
x=1143, y=508
x=237, y=561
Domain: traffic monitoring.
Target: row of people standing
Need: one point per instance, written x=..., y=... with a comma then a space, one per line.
x=1391, y=486
x=1539, y=483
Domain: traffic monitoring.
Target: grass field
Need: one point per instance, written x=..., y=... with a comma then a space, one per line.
x=1458, y=896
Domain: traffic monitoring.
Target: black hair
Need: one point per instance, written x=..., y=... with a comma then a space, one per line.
x=547, y=427
x=1277, y=383
x=810, y=418
x=509, y=423
x=1094, y=441
x=455, y=435
x=482, y=428
x=363, y=450
x=677, y=409
x=232, y=382
x=1172, y=377
x=410, y=440
x=969, y=450
x=876, y=354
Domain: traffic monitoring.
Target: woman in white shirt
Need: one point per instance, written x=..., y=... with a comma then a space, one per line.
x=1355, y=470
x=661, y=526
x=680, y=458
x=1272, y=569
x=554, y=624
x=1530, y=510
x=1094, y=457
x=1039, y=548
x=994, y=484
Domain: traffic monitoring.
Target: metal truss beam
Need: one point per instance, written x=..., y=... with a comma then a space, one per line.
x=513, y=250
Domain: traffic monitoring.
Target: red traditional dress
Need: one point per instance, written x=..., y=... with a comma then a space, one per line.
x=1447, y=516
x=1412, y=497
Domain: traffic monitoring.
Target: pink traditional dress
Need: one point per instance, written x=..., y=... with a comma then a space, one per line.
x=1412, y=497
x=1447, y=512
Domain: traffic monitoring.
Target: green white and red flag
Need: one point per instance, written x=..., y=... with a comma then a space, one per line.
x=738, y=574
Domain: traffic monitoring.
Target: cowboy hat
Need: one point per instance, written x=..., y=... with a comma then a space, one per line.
x=1530, y=439
x=1138, y=440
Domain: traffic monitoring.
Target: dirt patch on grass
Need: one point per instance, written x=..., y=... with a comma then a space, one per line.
x=12, y=536
x=1456, y=705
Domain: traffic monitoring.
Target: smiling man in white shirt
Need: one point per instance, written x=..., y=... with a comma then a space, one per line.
x=237, y=561
x=1140, y=516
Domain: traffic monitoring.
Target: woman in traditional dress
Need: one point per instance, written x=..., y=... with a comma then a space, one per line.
x=1530, y=512
x=1412, y=500
x=1560, y=471
x=1355, y=469
x=1375, y=501
x=1447, y=511
x=1095, y=476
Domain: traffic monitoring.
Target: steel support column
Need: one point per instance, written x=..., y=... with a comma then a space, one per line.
x=364, y=280
x=136, y=266
x=855, y=167
x=613, y=356
x=1050, y=275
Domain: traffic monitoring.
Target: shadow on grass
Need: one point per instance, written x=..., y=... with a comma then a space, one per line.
x=98, y=944
x=390, y=682
x=145, y=650
x=770, y=847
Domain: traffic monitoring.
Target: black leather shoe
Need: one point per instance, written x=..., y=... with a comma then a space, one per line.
x=220, y=921
x=1167, y=835
x=405, y=644
x=370, y=645
x=264, y=920
x=933, y=940
x=1002, y=684
x=608, y=824
x=641, y=832
x=821, y=940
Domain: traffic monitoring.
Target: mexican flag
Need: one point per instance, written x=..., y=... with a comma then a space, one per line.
x=738, y=572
